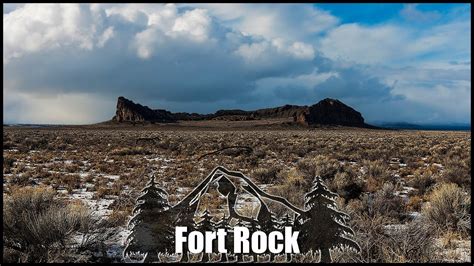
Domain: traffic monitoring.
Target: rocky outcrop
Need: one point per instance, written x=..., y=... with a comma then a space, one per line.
x=331, y=112
x=280, y=112
x=326, y=112
x=128, y=111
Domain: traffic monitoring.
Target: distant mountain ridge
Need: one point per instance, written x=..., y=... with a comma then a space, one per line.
x=406, y=125
x=326, y=112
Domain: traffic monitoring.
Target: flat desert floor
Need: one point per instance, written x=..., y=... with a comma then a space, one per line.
x=389, y=182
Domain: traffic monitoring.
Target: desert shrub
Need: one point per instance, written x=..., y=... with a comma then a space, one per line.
x=372, y=185
x=457, y=172
x=448, y=206
x=377, y=169
x=320, y=165
x=381, y=241
x=7, y=164
x=346, y=185
x=386, y=203
x=370, y=234
x=71, y=182
x=118, y=218
x=383, y=203
x=294, y=178
x=71, y=168
x=301, y=151
x=422, y=182
x=266, y=175
x=414, y=203
x=130, y=151
x=412, y=243
x=89, y=178
x=101, y=192
x=20, y=180
x=35, y=144
x=376, y=174
x=34, y=223
x=259, y=153
x=448, y=239
x=8, y=144
x=291, y=185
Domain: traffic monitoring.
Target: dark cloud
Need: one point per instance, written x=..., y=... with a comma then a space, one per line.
x=183, y=59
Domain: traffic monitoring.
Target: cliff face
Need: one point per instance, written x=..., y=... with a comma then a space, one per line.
x=128, y=111
x=280, y=112
x=325, y=112
x=332, y=112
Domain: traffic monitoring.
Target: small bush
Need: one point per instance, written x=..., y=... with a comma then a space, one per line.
x=320, y=165
x=411, y=242
x=414, y=203
x=457, y=172
x=448, y=239
x=448, y=206
x=34, y=222
x=130, y=151
x=101, y=192
x=20, y=180
x=7, y=164
x=422, y=182
x=414, y=243
x=387, y=203
x=118, y=218
x=266, y=175
x=347, y=186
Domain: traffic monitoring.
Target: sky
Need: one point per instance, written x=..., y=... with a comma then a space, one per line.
x=68, y=63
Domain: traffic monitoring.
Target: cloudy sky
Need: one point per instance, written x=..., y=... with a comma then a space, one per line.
x=68, y=63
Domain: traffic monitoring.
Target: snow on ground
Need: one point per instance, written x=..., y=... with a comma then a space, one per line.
x=414, y=215
x=98, y=206
x=100, y=209
x=392, y=228
x=83, y=175
x=116, y=244
x=158, y=158
x=112, y=177
x=460, y=252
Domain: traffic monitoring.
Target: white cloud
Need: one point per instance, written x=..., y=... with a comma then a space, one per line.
x=394, y=44
x=146, y=41
x=33, y=28
x=106, y=35
x=267, y=50
x=195, y=23
x=302, y=50
x=295, y=22
x=250, y=55
x=411, y=13
x=361, y=44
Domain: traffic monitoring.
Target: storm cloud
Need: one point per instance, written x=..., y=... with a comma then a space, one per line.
x=67, y=63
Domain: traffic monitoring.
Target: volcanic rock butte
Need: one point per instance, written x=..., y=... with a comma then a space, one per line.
x=128, y=111
x=330, y=111
x=326, y=112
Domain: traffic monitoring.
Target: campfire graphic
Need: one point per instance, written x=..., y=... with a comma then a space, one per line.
x=320, y=225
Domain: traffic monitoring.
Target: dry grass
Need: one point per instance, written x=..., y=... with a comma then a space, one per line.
x=369, y=169
x=34, y=223
x=448, y=206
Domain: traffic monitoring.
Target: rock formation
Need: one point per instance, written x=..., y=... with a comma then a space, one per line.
x=331, y=112
x=128, y=111
x=326, y=112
